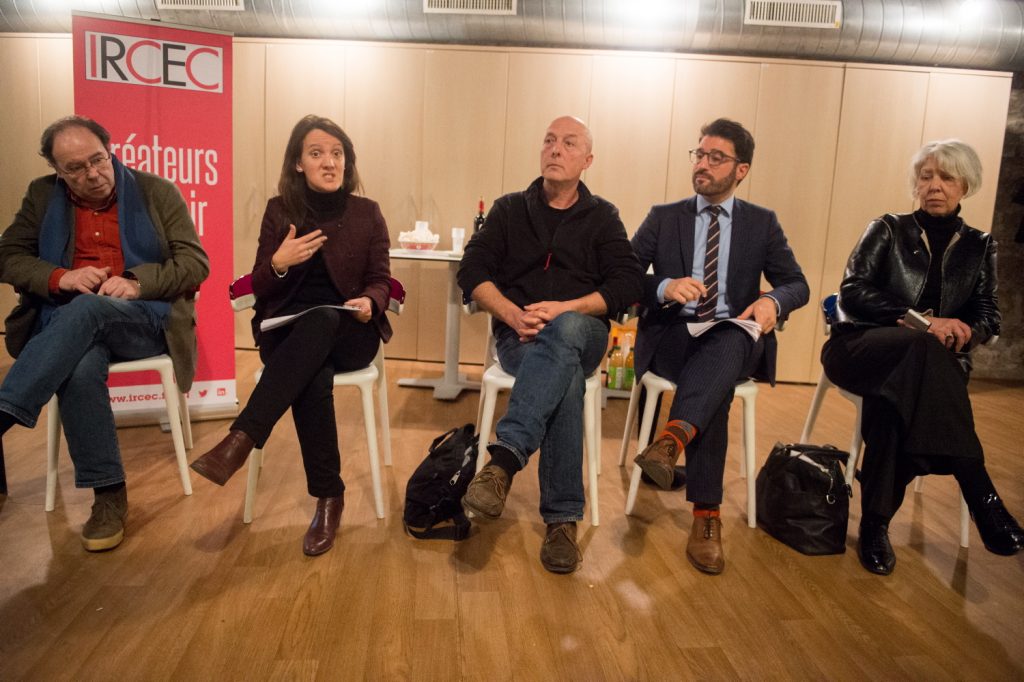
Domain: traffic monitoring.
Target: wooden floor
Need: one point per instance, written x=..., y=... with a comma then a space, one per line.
x=193, y=594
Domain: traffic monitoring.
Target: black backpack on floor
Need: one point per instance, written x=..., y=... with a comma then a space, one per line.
x=433, y=495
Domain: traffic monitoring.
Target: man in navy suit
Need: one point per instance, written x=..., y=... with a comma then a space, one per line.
x=708, y=254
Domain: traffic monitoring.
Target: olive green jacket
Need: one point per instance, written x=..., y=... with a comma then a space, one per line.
x=175, y=279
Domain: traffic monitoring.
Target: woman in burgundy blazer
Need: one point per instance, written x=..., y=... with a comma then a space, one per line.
x=319, y=246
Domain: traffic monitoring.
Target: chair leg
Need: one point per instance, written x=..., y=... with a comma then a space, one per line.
x=750, y=455
x=490, y=399
x=255, y=467
x=52, y=451
x=173, y=402
x=965, y=522
x=856, y=444
x=382, y=405
x=634, y=401
x=370, y=423
x=812, y=414
x=186, y=420
x=646, y=425
x=591, y=414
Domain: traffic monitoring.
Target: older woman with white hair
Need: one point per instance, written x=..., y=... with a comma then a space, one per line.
x=918, y=294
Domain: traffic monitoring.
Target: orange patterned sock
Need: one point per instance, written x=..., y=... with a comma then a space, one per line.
x=679, y=431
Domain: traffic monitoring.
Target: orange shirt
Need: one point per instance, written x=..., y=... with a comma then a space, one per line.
x=97, y=241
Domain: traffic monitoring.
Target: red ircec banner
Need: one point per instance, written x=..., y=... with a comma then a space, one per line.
x=164, y=93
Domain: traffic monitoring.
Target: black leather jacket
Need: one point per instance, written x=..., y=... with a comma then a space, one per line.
x=886, y=273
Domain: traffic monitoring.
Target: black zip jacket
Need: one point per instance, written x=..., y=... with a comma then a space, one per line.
x=588, y=252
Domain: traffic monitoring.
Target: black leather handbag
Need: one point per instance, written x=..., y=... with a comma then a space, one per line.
x=803, y=499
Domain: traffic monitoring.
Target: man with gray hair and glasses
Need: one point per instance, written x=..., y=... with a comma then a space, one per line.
x=708, y=253
x=106, y=261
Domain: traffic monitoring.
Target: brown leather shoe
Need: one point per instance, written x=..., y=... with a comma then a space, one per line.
x=485, y=496
x=227, y=457
x=704, y=548
x=658, y=461
x=324, y=526
x=560, y=553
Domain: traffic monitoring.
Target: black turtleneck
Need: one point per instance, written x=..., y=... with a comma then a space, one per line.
x=324, y=212
x=325, y=206
x=940, y=231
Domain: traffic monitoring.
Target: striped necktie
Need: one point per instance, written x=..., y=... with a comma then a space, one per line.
x=707, y=306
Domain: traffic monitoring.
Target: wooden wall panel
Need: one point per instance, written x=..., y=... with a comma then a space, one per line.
x=973, y=108
x=37, y=90
x=875, y=145
x=704, y=91
x=630, y=117
x=302, y=78
x=384, y=89
x=251, y=164
x=464, y=119
x=541, y=87
x=795, y=133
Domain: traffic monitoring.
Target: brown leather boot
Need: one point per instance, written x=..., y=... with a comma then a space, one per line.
x=324, y=526
x=227, y=457
x=658, y=461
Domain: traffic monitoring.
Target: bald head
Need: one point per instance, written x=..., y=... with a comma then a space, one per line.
x=566, y=152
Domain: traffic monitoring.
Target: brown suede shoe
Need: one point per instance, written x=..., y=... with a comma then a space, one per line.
x=560, y=553
x=658, y=461
x=227, y=457
x=704, y=548
x=485, y=496
x=105, y=528
x=324, y=526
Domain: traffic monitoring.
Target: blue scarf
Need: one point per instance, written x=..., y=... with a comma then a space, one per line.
x=139, y=240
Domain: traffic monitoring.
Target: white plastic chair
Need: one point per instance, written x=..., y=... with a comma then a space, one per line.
x=177, y=417
x=496, y=379
x=365, y=379
x=828, y=306
x=656, y=385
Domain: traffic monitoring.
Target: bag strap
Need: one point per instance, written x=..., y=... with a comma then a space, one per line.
x=443, y=437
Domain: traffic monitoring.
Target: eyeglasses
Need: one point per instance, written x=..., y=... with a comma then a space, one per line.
x=96, y=161
x=714, y=157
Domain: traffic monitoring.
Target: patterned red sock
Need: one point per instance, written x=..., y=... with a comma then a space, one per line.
x=711, y=510
x=679, y=431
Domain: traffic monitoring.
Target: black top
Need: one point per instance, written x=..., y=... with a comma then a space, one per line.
x=939, y=231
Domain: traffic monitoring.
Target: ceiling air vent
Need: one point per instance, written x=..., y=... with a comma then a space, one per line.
x=794, y=13
x=203, y=5
x=493, y=7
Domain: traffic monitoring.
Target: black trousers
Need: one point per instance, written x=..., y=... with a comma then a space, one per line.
x=300, y=361
x=917, y=416
x=706, y=370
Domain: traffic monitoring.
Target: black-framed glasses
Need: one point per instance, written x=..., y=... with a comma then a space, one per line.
x=714, y=157
x=97, y=161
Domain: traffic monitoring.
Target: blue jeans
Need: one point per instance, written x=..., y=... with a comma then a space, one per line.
x=545, y=409
x=70, y=356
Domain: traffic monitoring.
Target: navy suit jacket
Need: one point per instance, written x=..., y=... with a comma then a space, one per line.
x=757, y=245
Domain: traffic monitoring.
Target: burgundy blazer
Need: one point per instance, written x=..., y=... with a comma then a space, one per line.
x=355, y=253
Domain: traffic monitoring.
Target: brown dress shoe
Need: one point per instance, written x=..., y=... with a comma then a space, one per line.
x=324, y=526
x=704, y=548
x=485, y=496
x=560, y=553
x=227, y=457
x=658, y=461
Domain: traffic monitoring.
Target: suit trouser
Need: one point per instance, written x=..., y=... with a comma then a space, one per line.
x=705, y=370
x=300, y=361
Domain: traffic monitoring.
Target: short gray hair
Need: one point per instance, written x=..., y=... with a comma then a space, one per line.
x=953, y=156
